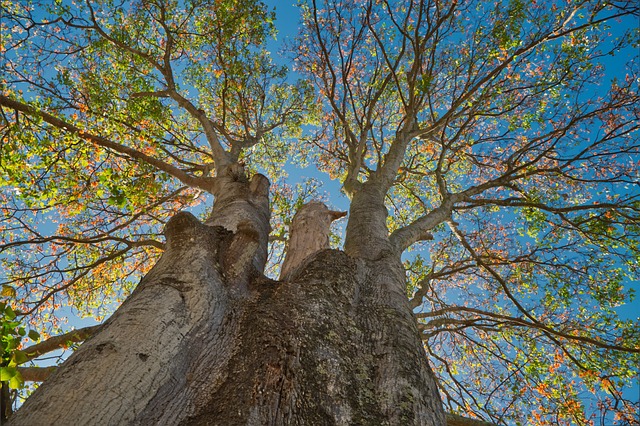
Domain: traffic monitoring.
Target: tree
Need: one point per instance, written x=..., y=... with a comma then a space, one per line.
x=490, y=158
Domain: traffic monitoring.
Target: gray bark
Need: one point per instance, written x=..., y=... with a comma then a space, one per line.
x=367, y=235
x=206, y=339
x=242, y=201
x=308, y=234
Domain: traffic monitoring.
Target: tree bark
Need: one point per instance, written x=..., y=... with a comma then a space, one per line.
x=309, y=233
x=206, y=339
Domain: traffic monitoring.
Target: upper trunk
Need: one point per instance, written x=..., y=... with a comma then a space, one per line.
x=206, y=339
x=239, y=201
x=367, y=235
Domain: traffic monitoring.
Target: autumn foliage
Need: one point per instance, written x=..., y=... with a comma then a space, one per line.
x=503, y=136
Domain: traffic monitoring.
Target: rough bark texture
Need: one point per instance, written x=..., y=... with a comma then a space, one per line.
x=205, y=339
x=239, y=200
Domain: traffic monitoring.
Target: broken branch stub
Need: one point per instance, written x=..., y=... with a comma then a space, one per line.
x=308, y=234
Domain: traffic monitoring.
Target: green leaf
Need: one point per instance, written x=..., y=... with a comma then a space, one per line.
x=19, y=357
x=8, y=312
x=8, y=291
x=7, y=373
x=16, y=381
x=34, y=335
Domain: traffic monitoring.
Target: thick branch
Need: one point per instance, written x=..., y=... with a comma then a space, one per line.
x=456, y=420
x=418, y=230
x=57, y=342
x=36, y=374
x=106, y=143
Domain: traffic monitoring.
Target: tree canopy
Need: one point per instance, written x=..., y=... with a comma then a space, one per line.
x=502, y=136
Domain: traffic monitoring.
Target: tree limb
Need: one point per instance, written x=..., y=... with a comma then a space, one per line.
x=457, y=420
x=521, y=322
x=63, y=238
x=220, y=156
x=106, y=143
x=57, y=342
x=534, y=322
x=418, y=230
x=36, y=374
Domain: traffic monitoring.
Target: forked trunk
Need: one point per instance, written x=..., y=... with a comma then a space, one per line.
x=206, y=339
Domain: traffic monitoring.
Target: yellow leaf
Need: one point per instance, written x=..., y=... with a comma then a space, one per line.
x=8, y=291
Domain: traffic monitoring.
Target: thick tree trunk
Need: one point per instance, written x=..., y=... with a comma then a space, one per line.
x=206, y=339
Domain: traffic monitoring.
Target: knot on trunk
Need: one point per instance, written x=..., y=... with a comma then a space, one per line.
x=236, y=251
x=235, y=171
x=185, y=229
x=180, y=224
x=308, y=234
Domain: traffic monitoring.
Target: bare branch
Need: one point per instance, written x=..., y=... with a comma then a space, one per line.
x=61, y=238
x=519, y=322
x=57, y=342
x=36, y=374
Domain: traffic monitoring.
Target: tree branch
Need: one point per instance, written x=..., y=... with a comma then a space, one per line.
x=106, y=143
x=457, y=420
x=36, y=374
x=418, y=230
x=534, y=322
x=220, y=156
x=62, y=238
x=57, y=342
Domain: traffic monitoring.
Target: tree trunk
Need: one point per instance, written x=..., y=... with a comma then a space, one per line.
x=206, y=339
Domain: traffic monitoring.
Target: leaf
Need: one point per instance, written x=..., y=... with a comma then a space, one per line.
x=8, y=291
x=9, y=313
x=7, y=373
x=16, y=381
x=34, y=335
x=19, y=357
